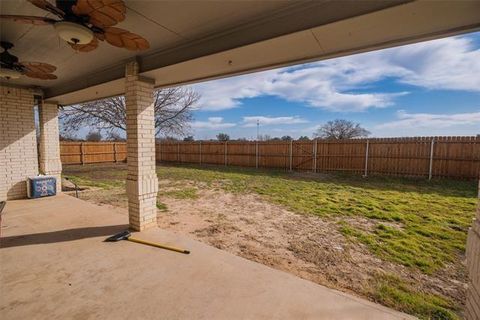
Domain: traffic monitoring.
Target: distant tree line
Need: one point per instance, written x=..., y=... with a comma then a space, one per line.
x=337, y=129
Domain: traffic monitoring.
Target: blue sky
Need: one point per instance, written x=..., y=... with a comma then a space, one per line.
x=429, y=88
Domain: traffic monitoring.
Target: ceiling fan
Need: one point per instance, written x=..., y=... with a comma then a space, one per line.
x=10, y=68
x=82, y=23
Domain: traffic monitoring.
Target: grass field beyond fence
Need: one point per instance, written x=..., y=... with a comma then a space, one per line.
x=456, y=157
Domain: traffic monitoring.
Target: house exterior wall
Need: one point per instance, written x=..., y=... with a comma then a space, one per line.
x=18, y=142
x=473, y=266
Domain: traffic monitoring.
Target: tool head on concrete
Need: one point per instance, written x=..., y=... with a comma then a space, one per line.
x=124, y=235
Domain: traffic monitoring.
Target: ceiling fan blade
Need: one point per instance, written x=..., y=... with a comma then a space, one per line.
x=45, y=5
x=102, y=13
x=85, y=47
x=38, y=21
x=40, y=75
x=100, y=36
x=38, y=67
x=125, y=39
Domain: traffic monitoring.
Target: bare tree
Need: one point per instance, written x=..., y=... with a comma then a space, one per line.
x=173, y=113
x=223, y=137
x=341, y=129
x=94, y=136
x=115, y=136
x=68, y=137
x=264, y=137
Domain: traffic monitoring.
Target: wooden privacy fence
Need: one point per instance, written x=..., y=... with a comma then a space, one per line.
x=92, y=152
x=457, y=157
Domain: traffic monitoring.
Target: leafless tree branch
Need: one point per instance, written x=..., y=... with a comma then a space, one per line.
x=173, y=113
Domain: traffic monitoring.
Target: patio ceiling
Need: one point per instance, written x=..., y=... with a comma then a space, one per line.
x=197, y=40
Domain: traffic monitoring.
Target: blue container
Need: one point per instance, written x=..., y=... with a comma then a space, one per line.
x=41, y=186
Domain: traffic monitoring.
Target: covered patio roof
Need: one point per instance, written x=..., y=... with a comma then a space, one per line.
x=55, y=264
x=194, y=41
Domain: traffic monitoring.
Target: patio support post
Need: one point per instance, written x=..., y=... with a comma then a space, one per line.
x=473, y=266
x=142, y=183
x=50, y=163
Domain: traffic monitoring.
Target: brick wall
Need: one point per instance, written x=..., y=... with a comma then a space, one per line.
x=18, y=143
x=473, y=266
x=50, y=163
x=142, y=183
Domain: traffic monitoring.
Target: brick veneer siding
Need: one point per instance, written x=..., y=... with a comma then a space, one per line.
x=142, y=183
x=18, y=142
x=473, y=266
x=50, y=163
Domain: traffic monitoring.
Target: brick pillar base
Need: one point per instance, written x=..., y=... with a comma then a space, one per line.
x=50, y=163
x=142, y=183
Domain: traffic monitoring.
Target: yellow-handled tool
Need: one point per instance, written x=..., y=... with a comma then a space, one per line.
x=126, y=235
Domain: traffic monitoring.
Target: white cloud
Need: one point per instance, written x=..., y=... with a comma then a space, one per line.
x=448, y=64
x=251, y=121
x=429, y=120
x=226, y=93
x=339, y=84
x=212, y=123
x=314, y=85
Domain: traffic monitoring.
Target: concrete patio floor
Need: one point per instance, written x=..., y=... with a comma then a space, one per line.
x=55, y=265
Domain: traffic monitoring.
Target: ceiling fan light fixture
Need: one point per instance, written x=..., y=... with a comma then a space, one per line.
x=73, y=32
x=8, y=74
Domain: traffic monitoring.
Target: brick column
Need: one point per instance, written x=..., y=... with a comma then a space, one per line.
x=50, y=163
x=472, y=311
x=142, y=183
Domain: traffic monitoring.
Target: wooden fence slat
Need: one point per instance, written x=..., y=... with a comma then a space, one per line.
x=457, y=157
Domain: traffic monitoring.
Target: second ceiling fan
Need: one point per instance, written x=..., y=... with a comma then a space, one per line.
x=83, y=22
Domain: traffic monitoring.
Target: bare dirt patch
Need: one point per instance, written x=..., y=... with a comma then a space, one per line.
x=305, y=245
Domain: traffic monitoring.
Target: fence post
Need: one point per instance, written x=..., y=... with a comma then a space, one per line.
x=431, y=159
x=178, y=151
x=256, y=154
x=159, y=151
x=226, y=160
x=114, y=152
x=366, y=159
x=82, y=154
x=314, y=164
x=291, y=154
x=200, y=151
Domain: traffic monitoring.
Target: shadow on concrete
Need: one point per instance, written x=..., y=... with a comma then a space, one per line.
x=61, y=236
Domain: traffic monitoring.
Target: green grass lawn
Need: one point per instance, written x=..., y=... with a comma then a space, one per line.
x=414, y=222
x=432, y=216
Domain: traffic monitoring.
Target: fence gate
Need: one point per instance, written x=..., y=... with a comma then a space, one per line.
x=303, y=155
